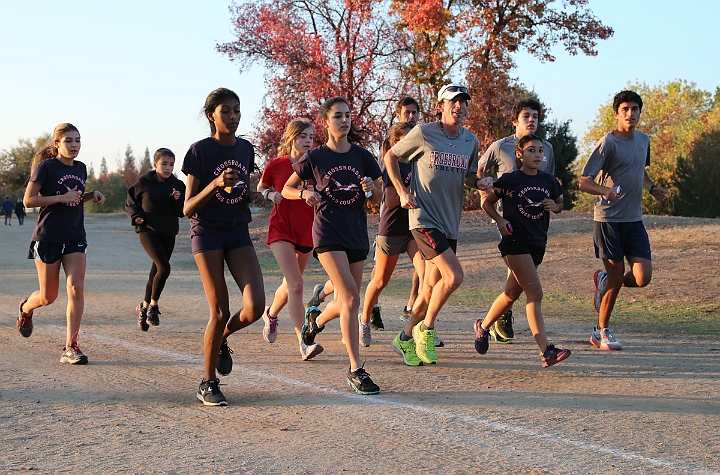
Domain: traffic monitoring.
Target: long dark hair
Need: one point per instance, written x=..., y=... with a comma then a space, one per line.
x=353, y=135
x=50, y=150
x=214, y=99
x=520, y=144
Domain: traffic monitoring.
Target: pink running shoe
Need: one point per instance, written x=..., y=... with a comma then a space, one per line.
x=24, y=321
x=553, y=355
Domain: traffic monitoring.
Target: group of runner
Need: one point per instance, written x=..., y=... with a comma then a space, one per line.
x=319, y=197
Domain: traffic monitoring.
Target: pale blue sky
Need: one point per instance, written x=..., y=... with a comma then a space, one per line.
x=137, y=72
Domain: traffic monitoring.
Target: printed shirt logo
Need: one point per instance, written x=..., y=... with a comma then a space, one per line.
x=70, y=183
x=451, y=162
x=343, y=188
x=532, y=208
x=406, y=181
x=234, y=195
x=339, y=186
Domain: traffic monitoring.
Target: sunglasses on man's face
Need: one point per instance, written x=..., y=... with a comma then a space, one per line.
x=457, y=89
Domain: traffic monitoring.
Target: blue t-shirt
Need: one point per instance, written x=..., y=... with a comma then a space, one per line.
x=206, y=160
x=340, y=217
x=60, y=222
x=522, y=197
x=395, y=221
x=8, y=206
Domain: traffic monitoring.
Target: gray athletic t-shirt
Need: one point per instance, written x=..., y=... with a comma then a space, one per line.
x=499, y=158
x=439, y=167
x=618, y=161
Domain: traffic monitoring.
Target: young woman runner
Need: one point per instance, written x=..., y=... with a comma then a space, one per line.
x=289, y=233
x=218, y=170
x=57, y=187
x=153, y=206
x=393, y=238
x=528, y=196
x=344, y=173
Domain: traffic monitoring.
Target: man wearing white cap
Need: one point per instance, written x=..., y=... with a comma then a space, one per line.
x=444, y=157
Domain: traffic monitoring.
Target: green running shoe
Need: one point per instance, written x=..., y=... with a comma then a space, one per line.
x=425, y=344
x=406, y=349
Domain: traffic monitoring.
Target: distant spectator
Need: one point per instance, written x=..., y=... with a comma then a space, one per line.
x=20, y=211
x=8, y=207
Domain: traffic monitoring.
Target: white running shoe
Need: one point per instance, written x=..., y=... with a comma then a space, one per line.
x=309, y=352
x=365, y=332
x=270, y=329
x=604, y=339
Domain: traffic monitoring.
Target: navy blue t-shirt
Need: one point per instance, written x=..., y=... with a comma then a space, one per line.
x=60, y=222
x=522, y=197
x=340, y=217
x=395, y=221
x=206, y=160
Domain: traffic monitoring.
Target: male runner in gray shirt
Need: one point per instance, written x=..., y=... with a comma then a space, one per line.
x=443, y=155
x=500, y=159
x=616, y=172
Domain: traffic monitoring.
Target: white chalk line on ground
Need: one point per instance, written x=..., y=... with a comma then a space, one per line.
x=482, y=424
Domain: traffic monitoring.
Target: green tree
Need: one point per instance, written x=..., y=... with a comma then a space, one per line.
x=129, y=170
x=145, y=163
x=111, y=185
x=565, y=149
x=698, y=173
x=673, y=114
x=103, y=167
x=15, y=163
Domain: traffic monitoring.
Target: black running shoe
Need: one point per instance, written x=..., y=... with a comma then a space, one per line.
x=361, y=382
x=224, y=362
x=153, y=315
x=311, y=328
x=482, y=337
x=142, y=317
x=73, y=355
x=209, y=393
x=24, y=321
x=502, y=330
x=376, y=322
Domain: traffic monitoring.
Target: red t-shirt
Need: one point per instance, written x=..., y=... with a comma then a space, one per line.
x=290, y=220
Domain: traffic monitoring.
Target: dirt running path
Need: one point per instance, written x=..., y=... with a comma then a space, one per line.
x=651, y=408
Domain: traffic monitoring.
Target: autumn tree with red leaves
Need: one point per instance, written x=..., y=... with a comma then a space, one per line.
x=373, y=51
x=476, y=39
x=315, y=49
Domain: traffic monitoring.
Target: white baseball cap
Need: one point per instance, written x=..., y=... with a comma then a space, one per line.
x=451, y=91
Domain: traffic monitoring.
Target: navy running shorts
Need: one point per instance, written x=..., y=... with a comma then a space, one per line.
x=51, y=252
x=225, y=240
x=615, y=241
